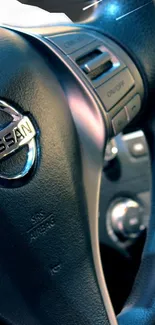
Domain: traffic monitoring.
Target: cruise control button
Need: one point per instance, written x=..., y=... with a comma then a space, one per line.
x=119, y=121
x=133, y=107
x=112, y=91
x=70, y=43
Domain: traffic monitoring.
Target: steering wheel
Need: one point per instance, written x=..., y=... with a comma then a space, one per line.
x=64, y=92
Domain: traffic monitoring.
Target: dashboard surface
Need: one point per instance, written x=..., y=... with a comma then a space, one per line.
x=79, y=10
x=76, y=10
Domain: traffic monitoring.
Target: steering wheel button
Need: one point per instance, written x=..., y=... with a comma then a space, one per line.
x=70, y=43
x=112, y=91
x=137, y=147
x=133, y=107
x=119, y=121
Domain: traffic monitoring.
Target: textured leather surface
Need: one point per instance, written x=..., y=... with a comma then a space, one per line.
x=136, y=33
x=47, y=273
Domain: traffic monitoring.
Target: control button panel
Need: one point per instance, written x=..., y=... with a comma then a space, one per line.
x=124, y=178
x=133, y=107
x=71, y=42
x=108, y=70
x=102, y=64
x=120, y=121
x=112, y=91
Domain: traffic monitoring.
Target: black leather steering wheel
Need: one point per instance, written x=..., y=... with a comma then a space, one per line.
x=50, y=268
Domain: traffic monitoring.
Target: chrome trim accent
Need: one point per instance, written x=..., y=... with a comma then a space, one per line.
x=30, y=161
x=18, y=133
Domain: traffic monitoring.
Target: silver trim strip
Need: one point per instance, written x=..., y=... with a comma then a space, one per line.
x=22, y=125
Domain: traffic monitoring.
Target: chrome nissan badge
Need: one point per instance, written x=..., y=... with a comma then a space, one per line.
x=20, y=132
